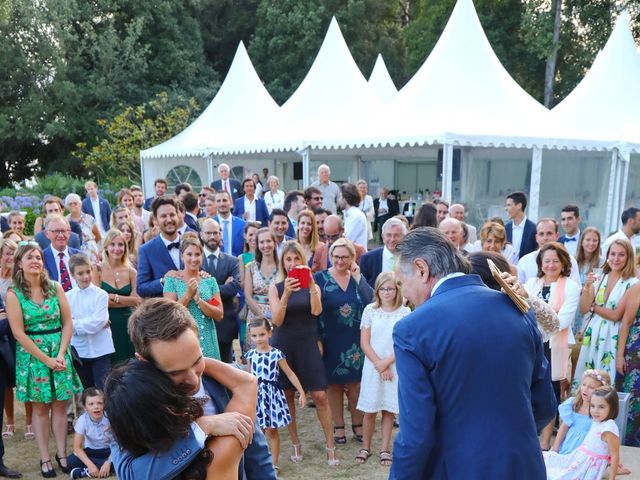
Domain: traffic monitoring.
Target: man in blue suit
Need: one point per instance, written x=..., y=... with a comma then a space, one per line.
x=164, y=333
x=521, y=232
x=162, y=254
x=226, y=184
x=232, y=226
x=97, y=207
x=160, y=186
x=382, y=259
x=192, y=210
x=474, y=386
x=4, y=224
x=249, y=207
x=58, y=253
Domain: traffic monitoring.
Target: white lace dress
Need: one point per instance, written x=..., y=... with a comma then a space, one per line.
x=377, y=394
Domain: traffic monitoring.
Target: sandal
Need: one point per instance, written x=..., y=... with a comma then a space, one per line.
x=332, y=462
x=362, y=456
x=28, y=432
x=49, y=472
x=385, y=458
x=357, y=438
x=9, y=430
x=64, y=468
x=297, y=453
x=339, y=439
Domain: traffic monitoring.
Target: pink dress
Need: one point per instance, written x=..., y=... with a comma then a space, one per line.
x=588, y=461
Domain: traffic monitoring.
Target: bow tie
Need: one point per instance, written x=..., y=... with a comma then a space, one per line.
x=570, y=239
x=173, y=245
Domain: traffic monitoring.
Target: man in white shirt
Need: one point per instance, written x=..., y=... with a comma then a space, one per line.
x=57, y=254
x=630, y=226
x=138, y=206
x=91, y=332
x=97, y=207
x=570, y=221
x=279, y=224
x=546, y=231
x=383, y=259
x=355, y=220
x=521, y=232
x=330, y=190
x=457, y=211
x=226, y=184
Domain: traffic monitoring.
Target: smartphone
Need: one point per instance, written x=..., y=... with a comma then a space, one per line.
x=302, y=274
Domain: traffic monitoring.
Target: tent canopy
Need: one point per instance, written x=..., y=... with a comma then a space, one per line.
x=381, y=82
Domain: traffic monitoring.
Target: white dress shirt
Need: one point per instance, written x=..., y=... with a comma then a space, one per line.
x=174, y=252
x=355, y=226
x=516, y=234
x=274, y=200
x=388, y=260
x=382, y=204
x=444, y=279
x=572, y=246
x=250, y=208
x=56, y=258
x=90, y=315
x=619, y=235
x=95, y=203
x=528, y=268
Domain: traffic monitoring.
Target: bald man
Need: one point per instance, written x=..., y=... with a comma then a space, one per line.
x=457, y=211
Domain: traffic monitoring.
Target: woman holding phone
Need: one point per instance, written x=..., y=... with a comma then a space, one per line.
x=295, y=305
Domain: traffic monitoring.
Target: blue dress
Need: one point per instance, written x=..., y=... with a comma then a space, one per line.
x=578, y=424
x=272, y=410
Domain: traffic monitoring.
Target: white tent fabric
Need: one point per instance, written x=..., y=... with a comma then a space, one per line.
x=242, y=107
x=381, y=82
x=606, y=103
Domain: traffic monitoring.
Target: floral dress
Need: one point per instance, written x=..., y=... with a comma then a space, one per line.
x=630, y=383
x=35, y=381
x=601, y=336
x=261, y=286
x=340, y=326
x=207, y=332
x=89, y=246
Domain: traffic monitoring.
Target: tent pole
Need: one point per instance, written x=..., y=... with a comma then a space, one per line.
x=625, y=155
x=534, y=185
x=142, y=178
x=209, y=168
x=305, y=153
x=447, y=172
x=610, y=222
x=617, y=186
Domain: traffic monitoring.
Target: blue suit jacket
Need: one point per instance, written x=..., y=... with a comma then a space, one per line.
x=291, y=231
x=236, y=188
x=192, y=224
x=529, y=243
x=227, y=267
x=105, y=210
x=371, y=265
x=153, y=262
x=262, y=213
x=237, y=234
x=473, y=386
x=256, y=462
x=4, y=225
x=50, y=262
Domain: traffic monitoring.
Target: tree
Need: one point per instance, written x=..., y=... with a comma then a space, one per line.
x=135, y=128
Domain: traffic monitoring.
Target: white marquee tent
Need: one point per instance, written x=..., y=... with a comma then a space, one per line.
x=381, y=82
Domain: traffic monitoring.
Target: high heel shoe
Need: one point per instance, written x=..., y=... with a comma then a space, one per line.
x=297, y=453
x=356, y=437
x=64, y=468
x=9, y=430
x=331, y=452
x=49, y=472
x=28, y=432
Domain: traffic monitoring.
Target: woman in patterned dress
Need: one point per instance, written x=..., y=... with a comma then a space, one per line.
x=600, y=343
x=90, y=231
x=260, y=275
x=40, y=320
x=628, y=364
x=345, y=293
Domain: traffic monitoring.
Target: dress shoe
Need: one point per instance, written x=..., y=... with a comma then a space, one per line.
x=8, y=473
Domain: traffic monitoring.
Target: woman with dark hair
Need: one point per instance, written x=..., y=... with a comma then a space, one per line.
x=588, y=254
x=148, y=413
x=427, y=216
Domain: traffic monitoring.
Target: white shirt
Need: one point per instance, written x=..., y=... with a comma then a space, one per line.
x=56, y=257
x=209, y=408
x=293, y=222
x=388, y=260
x=572, y=247
x=355, y=226
x=444, y=279
x=528, y=268
x=174, y=252
x=382, y=204
x=473, y=233
x=90, y=314
x=250, y=208
x=96, y=213
x=274, y=200
x=619, y=235
x=516, y=234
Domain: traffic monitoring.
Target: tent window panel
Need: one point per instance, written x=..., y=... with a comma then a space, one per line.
x=183, y=174
x=633, y=183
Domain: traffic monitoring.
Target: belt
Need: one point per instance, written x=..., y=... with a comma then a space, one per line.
x=275, y=383
x=594, y=455
x=43, y=332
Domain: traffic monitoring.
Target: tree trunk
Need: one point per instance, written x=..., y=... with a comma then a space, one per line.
x=550, y=70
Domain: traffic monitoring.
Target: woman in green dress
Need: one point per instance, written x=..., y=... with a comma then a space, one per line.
x=40, y=320
x=117, y=277
x=200, y=295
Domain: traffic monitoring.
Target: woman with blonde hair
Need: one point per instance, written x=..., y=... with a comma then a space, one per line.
x=133, y=240
x=493, y=238
x=117, y=277
x=314, y=251
x=588, y=252
x=260, y=275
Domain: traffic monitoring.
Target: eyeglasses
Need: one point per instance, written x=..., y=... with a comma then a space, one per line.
x=28, y=242
x=387, y=289
x=341, y=258
x=203, y=195
x=60, y=232
x=208, y=233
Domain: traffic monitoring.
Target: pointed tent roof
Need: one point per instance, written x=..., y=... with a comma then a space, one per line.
x=333, y=98
x=606, y=103
x=241, y=106
x=381, y=82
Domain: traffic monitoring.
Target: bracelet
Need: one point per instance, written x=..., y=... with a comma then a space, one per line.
x=117, y=298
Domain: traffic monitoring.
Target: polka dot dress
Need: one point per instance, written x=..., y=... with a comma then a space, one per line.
x=272, y=410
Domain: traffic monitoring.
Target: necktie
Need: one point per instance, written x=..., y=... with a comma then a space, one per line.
x=226, y=189
x=226, y=237
x=392, y=263
x=213, y=263
x=65, y=280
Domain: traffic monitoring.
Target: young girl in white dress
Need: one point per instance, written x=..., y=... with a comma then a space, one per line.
x=601, y=445
x=266, y=362
x=379, y=385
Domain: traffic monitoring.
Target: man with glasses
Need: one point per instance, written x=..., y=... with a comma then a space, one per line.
x=57, y=254
x=330, y=190
x=202, y=200
x=53, y=206
x=313, y=198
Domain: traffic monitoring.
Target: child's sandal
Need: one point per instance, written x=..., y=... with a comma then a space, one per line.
x=385, y=458
x=297, y=453
x=362, y=456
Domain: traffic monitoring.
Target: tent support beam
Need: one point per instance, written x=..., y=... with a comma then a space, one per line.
x=534, y=185
x=625, y=155
x=305, y=154
x=209, y=169
x=447, y=172
x=611, y=222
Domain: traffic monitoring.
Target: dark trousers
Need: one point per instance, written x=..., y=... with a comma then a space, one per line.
x=93, y=371
x=3, y=387
x=225, y=350
x=97, y=456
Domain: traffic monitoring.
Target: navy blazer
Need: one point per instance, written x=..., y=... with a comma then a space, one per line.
x=237, y=233
x=291, y=231
x=256, y=461
x=4, y=224
x=148, y=202
x=105, y=210
x=236, y=188
x=41, y=239
x=378, y=221
x=474, y=387
x=51, y=262
x=154, y=262
x=262, y=213
x=227, y=267
x=529, y=243
x=371, y=265
x=191, y=223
